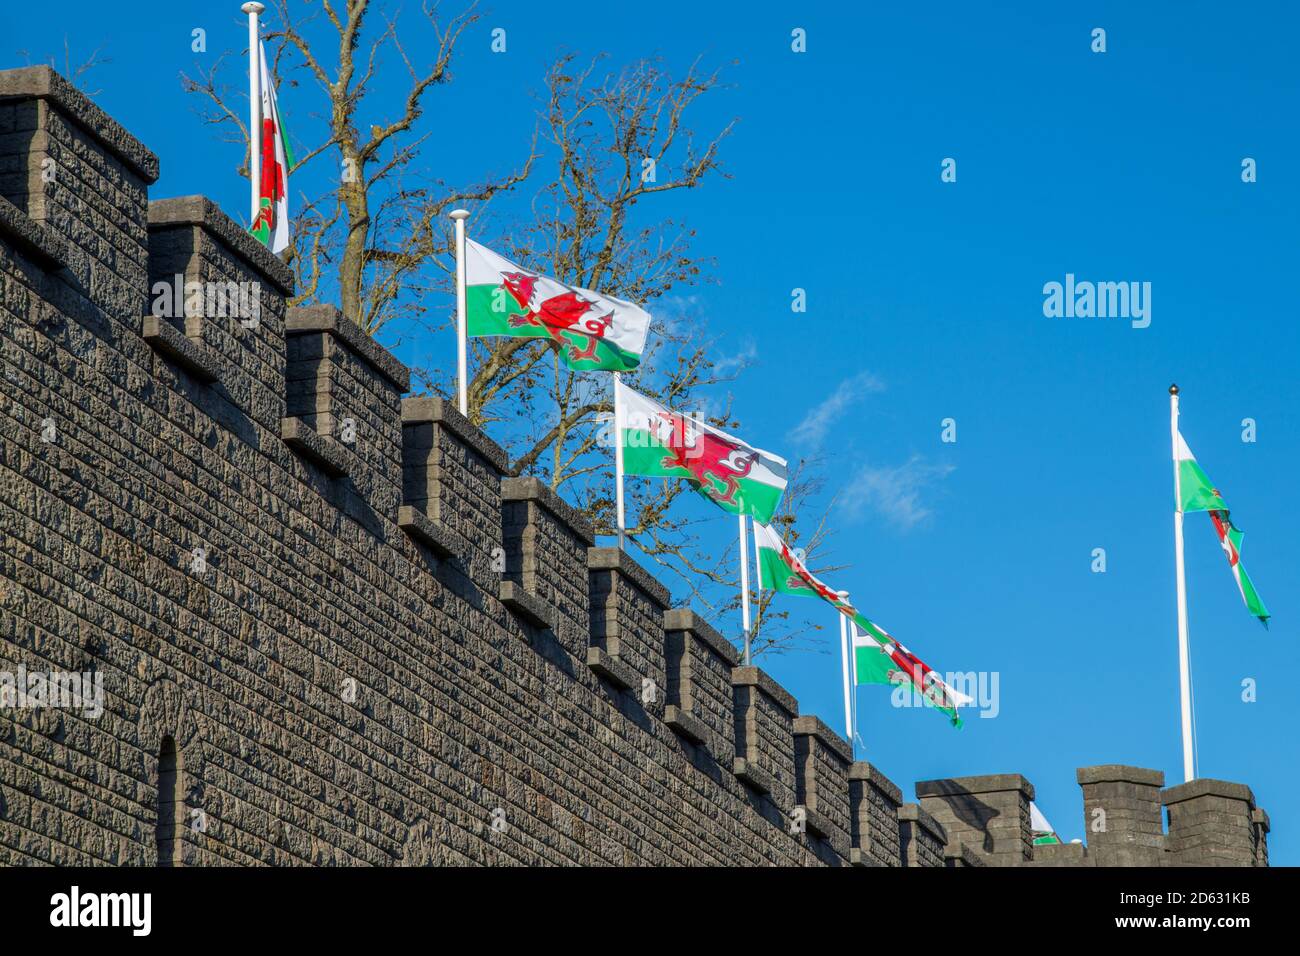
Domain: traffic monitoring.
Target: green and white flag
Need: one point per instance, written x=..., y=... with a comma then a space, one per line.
x=1197, y=493
x=660, y=443
x=590, y=330
x=272, y=223
x=1044, y=835
x=877, y=657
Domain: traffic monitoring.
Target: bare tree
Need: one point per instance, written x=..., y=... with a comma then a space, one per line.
x=615, y=145
x=618, y=141
x=366, y=237
x=622, y=146
x=75, y=74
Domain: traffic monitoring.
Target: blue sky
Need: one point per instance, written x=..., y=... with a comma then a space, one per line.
x=925, y=302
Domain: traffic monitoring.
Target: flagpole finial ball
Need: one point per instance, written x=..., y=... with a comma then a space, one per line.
x=1173, y=389
x=459, y=214
x=252, y=7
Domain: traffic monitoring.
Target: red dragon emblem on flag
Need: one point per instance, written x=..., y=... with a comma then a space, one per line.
x=1222, y=525
x=273, y=187
x=715, y=463
x=802, y=577
x=919, y=673
x=558, y=316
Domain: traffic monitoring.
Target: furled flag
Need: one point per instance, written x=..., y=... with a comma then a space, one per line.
x=658, y=442
x=1196, y=493
x=1043, y=832
x=877, y=657
x=272, y=223
x=590, y=330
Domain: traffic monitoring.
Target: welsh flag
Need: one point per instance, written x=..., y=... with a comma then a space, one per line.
x=660, y=443
x=1196, y=493
x=1044, y=835
x=272, y=223
x=590, y=330
x=875, y=650
x=877, y=657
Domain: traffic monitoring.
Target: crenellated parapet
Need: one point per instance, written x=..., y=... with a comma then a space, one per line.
x=76, y=172
x=700, y=703
x=216, y=305
x=547, y=541
x=874, y=802
x=1214, y=823
x=822, y=760
x=1210, y=822
x=332, y=619
x=921, y=837
x=626, y=643
x=990, y=814
x=765, y=715
x=1121, y=807
x=451, y=486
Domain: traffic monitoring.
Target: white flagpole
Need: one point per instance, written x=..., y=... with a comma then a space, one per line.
x=254, y=108
x=854, y=633
x=853, y=687
x=758, y=571
x=1184, y=658
x=618, y=463
x=846, y=657
x=744, y=584
x=462, y=348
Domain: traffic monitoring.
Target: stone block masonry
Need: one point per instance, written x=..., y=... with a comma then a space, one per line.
x=1121, y=808
x=922, y=837
x=626, y=643
x=989, y=813
x=334, y=628
x=765, y=715
x=1215, y=823
x=874, y=801
x=822, y=758
x=700, y=703
x=546, y=544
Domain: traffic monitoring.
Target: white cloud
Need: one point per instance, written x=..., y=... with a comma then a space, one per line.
x=812, y=430
x=677, y=313
x=894, y=492
x=737, y=361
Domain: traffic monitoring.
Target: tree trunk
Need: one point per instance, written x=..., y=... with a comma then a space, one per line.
x=353, y=263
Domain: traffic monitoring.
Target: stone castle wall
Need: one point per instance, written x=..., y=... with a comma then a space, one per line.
x=333, y=628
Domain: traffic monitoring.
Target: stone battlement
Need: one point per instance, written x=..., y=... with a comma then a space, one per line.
x=333, y=627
